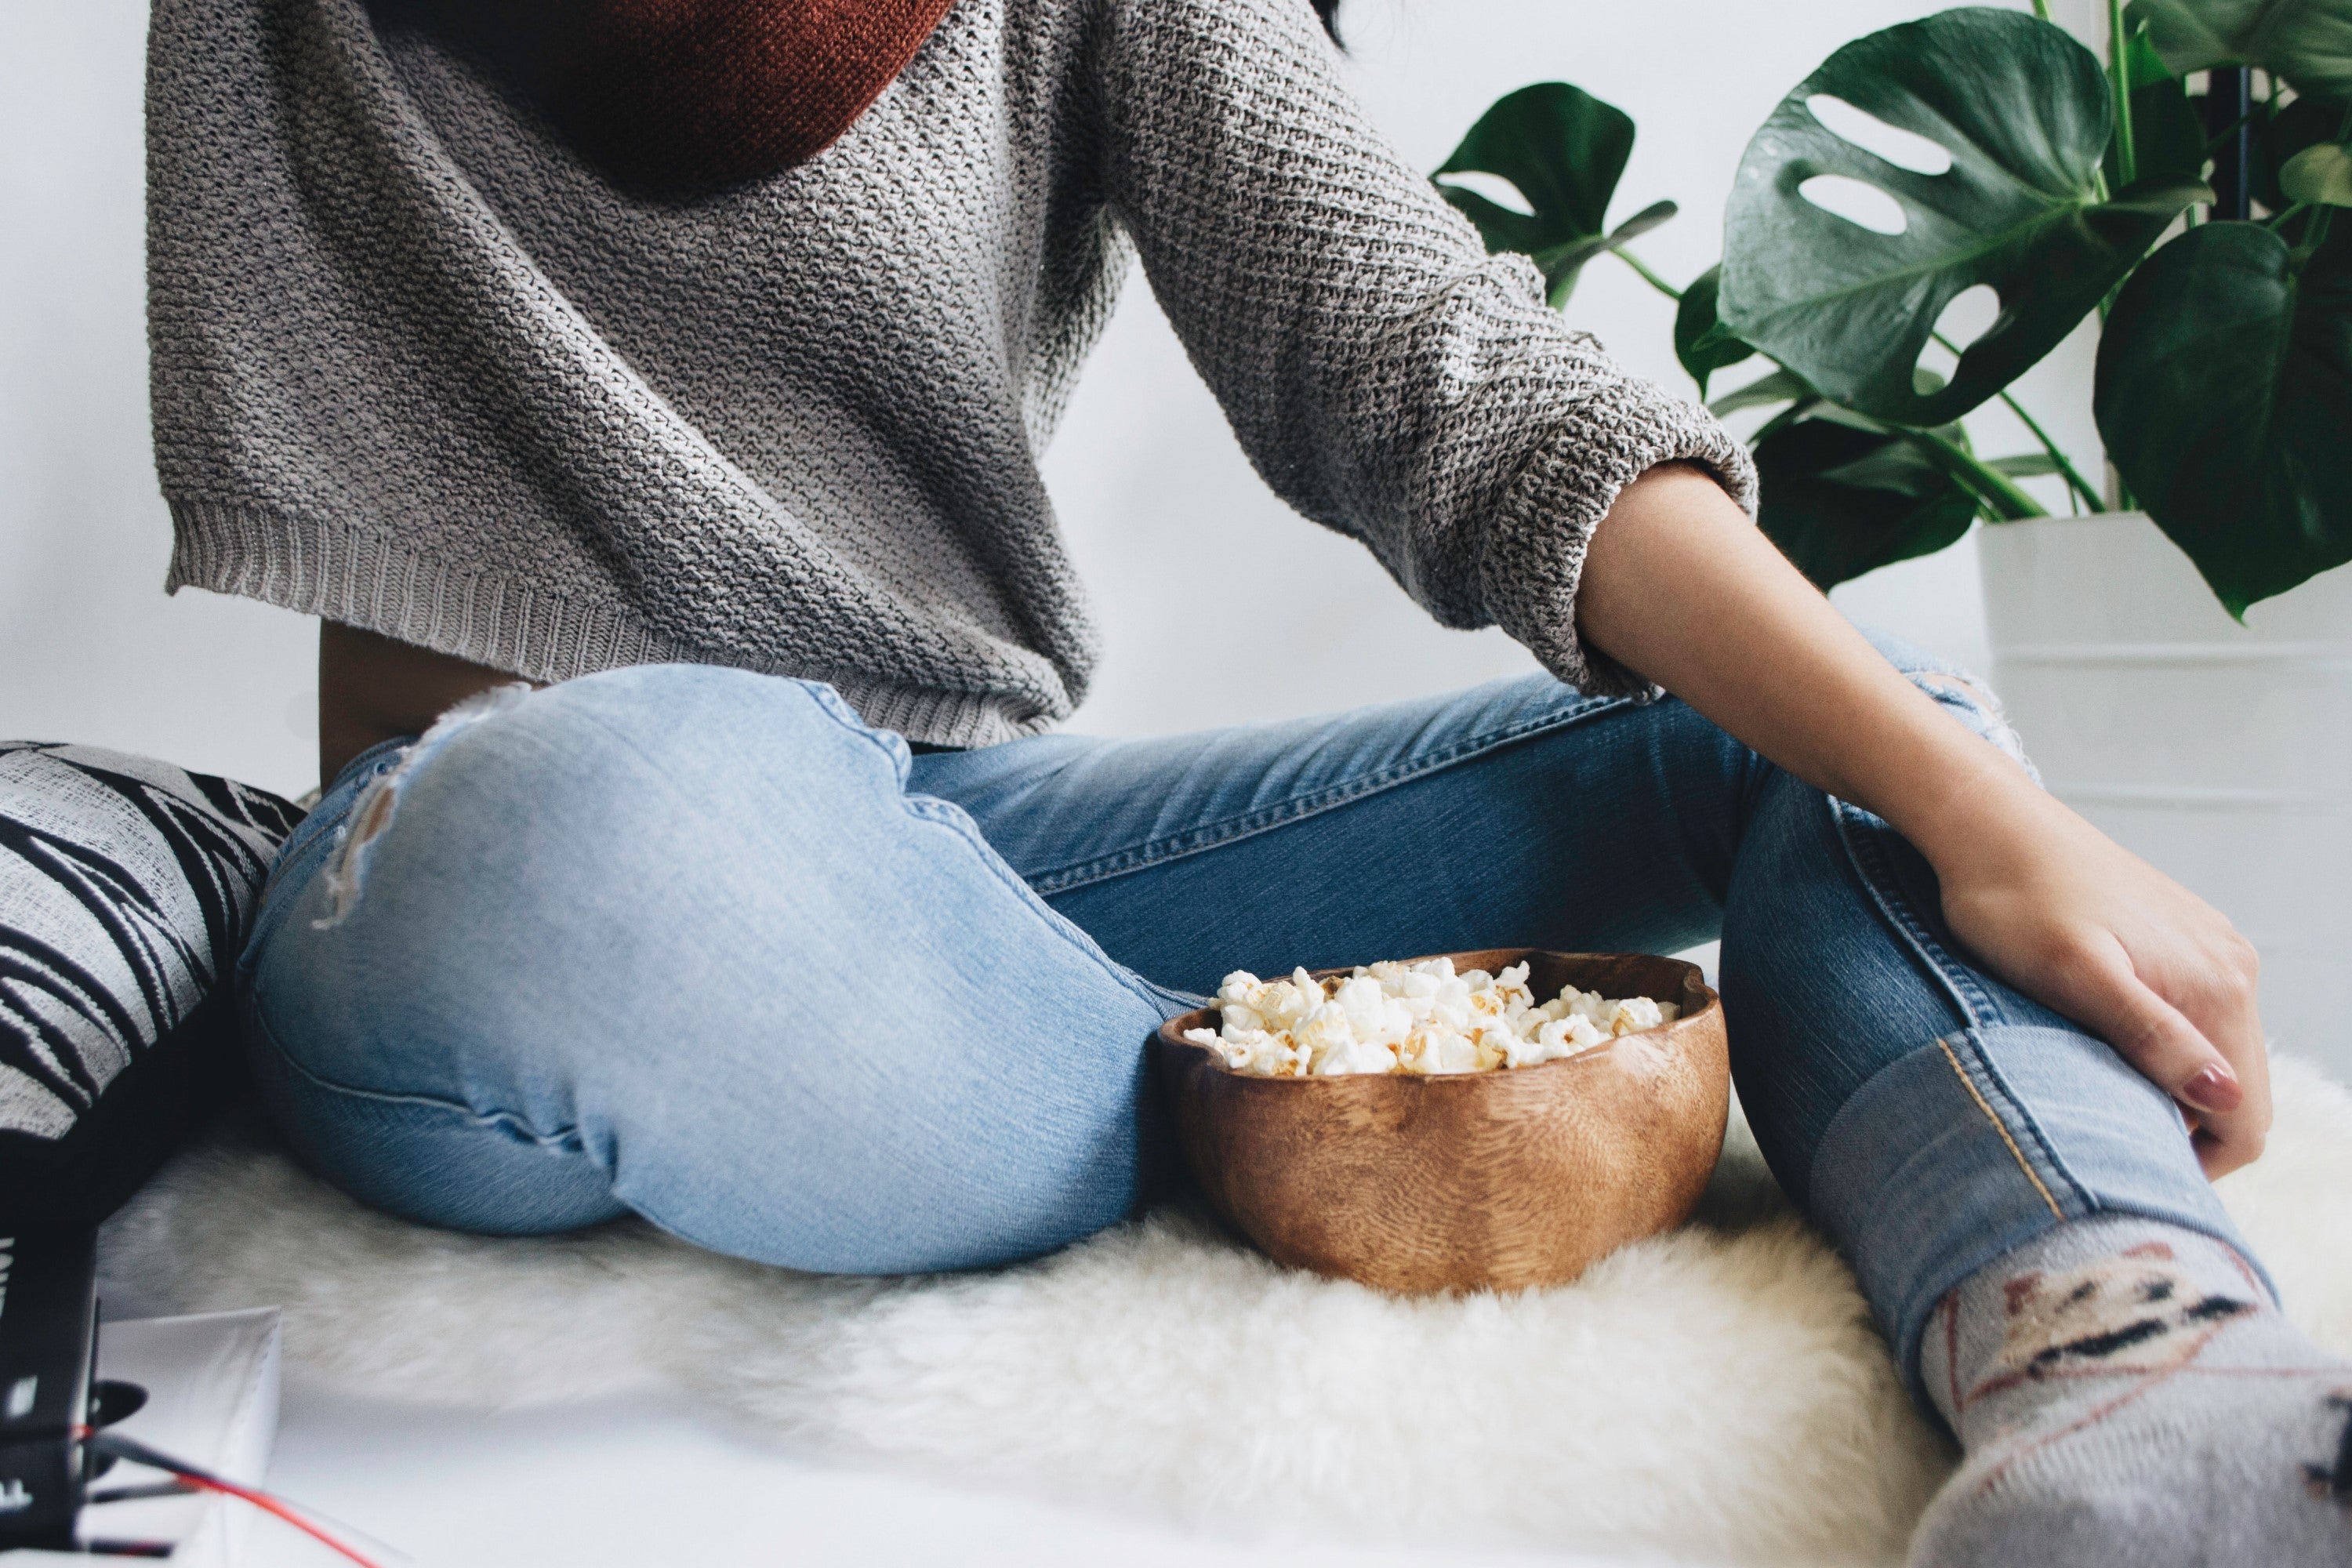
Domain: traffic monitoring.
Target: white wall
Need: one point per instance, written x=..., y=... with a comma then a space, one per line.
x=90, y=648
x=1154, y=493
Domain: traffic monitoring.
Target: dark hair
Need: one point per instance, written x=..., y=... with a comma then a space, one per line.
x=1329, y=11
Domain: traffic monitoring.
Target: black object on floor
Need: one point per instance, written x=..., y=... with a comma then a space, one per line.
x=48, y=1349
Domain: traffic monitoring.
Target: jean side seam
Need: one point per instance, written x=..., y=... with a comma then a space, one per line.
x=1200, y=839
x=1878, y=878
x=1998, y=1081
x=569, y=1139
x=1976, y=1007
x=1999, y=1126
x=1863, y=854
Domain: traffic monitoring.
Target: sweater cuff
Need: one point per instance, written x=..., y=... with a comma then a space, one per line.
x=1534, y=559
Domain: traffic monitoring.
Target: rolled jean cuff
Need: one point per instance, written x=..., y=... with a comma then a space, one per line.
x=1975, y=1144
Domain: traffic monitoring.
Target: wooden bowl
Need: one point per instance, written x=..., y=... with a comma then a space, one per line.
x=1494, y=1180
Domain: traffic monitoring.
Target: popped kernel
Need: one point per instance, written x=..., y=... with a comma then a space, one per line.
x=1419, y=1018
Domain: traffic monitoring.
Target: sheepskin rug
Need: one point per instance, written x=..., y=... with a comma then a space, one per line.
x=1716, y=1394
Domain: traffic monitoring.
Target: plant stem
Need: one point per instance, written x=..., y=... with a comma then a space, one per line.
x=2042, y=9
x=2075, y=482
x=2119, y=69
x=2214, y=140
x=1995, y=492
x=1651, y=279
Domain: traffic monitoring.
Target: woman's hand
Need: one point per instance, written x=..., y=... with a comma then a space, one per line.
x=2036, y=894
x=2061, y=913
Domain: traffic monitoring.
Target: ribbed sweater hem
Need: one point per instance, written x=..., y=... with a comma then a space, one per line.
x=315, y=566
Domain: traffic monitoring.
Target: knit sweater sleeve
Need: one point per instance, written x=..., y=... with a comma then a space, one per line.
x=1386, y=376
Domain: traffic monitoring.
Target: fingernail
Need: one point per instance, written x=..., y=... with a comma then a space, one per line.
x=2214, y=1091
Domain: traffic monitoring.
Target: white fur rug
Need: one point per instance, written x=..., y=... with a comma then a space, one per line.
x=1714, y=1395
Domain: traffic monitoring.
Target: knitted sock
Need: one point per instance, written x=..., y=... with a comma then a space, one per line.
x=2128, y=1398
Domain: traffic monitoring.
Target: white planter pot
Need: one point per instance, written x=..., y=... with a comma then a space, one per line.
x=2220, y=752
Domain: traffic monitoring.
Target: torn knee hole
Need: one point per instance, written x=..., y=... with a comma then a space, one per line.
x=372, y=815
x=1967, y=691
x=1945, y=683
x=369, y=819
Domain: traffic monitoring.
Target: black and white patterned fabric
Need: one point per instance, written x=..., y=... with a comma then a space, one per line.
x=127, y=887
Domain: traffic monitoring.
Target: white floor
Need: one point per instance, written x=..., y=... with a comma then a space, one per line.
x=649, y=1481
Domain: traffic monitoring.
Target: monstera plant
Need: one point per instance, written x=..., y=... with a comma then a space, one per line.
x=1997, y=153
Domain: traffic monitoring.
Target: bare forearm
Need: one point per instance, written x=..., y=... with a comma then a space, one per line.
x=1680, y=587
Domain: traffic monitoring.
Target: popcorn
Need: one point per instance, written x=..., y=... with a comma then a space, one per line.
x=1420, y=1018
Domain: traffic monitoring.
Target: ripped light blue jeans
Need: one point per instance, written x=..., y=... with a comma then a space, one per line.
x=700, y=945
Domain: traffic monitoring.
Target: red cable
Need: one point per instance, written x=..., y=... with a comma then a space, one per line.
x=138, y=1453
x=269, y=1504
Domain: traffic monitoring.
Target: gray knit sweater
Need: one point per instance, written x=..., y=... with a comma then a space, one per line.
x=418, y=369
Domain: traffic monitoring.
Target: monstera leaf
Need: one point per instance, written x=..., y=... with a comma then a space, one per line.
x=2225, y=396
x=1564, y=149
x=2321, y=175
x=1840, y=500
x=1779, y=386
x=2283, y=136
x=1700, y=341
x=2309, y=42
x=2022, y=110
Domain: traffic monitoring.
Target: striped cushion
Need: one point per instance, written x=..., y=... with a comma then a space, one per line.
x=127, y=887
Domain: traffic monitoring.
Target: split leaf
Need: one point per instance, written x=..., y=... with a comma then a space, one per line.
x=1563, y=151
x=2024, y=114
